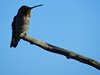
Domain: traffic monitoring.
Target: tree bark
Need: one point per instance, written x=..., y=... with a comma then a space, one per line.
x=67, y=53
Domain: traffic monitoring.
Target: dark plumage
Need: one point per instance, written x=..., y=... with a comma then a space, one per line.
x=20, y=24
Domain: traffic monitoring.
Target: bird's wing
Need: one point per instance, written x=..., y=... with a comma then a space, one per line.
x=15, y=37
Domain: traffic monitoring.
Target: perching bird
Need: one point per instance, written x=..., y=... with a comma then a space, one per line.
x=20, y=23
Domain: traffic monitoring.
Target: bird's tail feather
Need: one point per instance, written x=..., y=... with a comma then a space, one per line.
x=14, y=42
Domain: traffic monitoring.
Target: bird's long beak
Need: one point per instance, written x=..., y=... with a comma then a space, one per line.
x=36, y=6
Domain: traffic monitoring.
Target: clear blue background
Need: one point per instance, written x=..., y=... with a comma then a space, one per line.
x=70, y=24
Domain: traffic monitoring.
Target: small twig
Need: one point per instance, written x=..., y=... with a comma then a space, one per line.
x=62, y=51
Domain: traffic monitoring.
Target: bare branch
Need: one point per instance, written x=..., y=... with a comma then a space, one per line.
x=62, y=51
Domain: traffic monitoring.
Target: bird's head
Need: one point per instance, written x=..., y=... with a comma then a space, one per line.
x=24, y=10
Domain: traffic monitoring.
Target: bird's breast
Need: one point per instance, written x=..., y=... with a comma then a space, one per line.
x=26, y=20
x=22, y=23
x=25, y=26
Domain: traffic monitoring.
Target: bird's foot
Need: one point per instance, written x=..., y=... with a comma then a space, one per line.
x=23, y=35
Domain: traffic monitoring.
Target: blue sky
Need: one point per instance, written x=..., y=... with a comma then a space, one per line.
x=70, y=24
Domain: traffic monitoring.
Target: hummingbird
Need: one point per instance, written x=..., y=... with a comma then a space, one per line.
x=21, y=24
